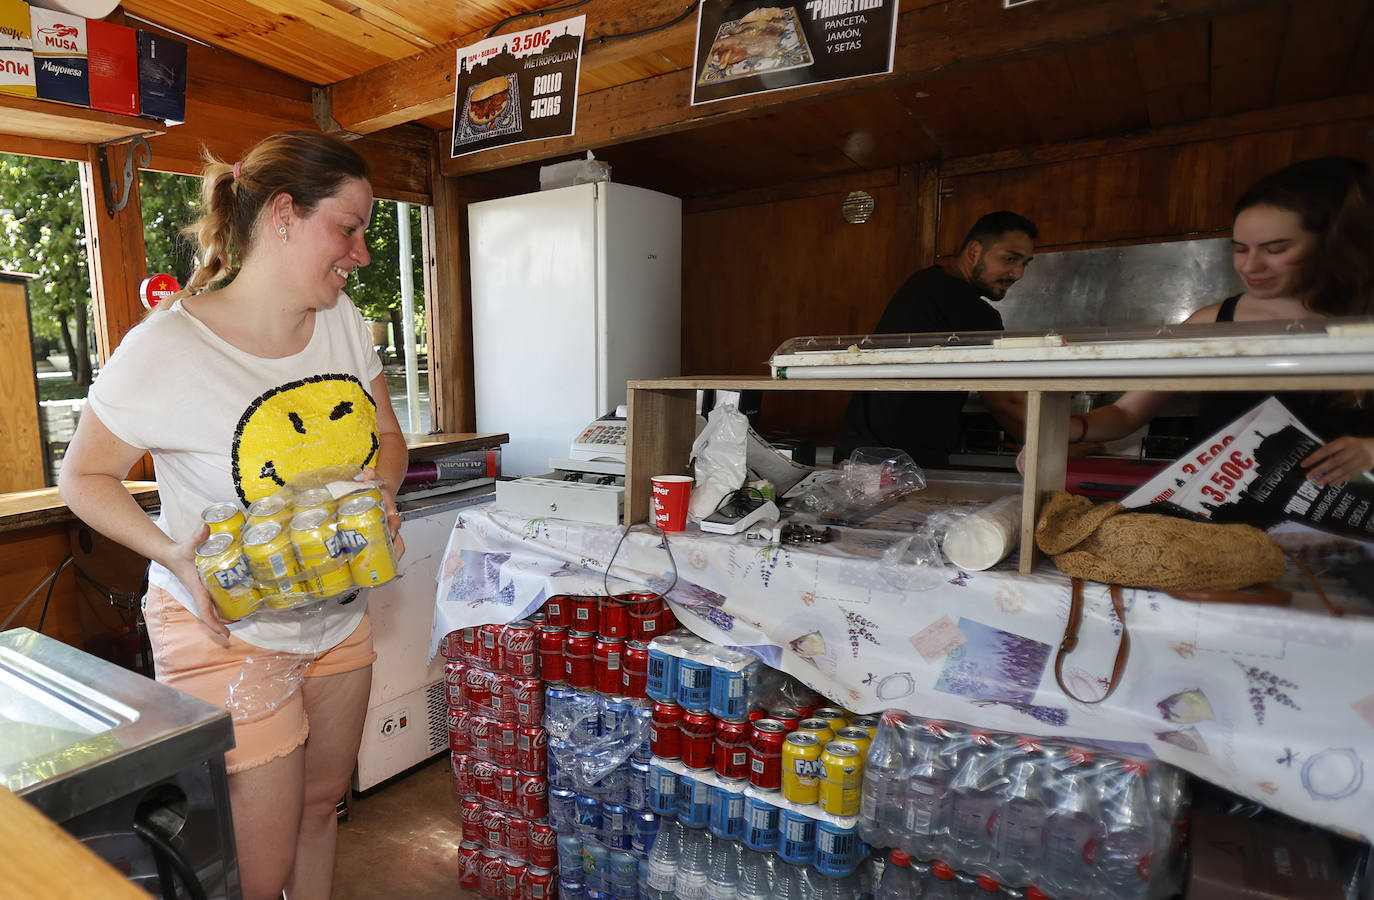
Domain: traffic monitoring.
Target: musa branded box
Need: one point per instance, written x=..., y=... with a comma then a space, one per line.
x=16, y=49
x=113, y=62
x=59, y=57
x=161, y=77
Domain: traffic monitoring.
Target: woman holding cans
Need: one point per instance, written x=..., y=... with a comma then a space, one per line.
x=237, y=388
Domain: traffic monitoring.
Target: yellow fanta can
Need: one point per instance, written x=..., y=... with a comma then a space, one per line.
x=362, y=527
x=273, y=564
x=275, y=508
x=223, y=517
x=321, y=552
x=224, y=570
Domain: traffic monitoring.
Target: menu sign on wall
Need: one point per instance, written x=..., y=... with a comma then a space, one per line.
x=518, y=87
x=753, y=47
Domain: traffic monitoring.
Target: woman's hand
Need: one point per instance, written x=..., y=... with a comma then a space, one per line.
x=1337, y=462
x=393, y=515
x=180, y=560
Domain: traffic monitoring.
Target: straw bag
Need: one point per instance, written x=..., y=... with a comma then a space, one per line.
x=1190, y=560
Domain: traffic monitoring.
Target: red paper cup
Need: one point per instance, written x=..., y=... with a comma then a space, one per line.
x=669, y=505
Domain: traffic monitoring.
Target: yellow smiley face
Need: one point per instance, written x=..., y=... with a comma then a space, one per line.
x=326, y=420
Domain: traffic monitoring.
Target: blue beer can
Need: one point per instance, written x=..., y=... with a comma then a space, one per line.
x=727, y=810
x=732, y=675
x=637, y=784
x=614, y=712
x=837, y=846
x=796, y=837
x=615, y=826
x=694, y=800
x=694, y=677
x=562, y=810
x=588, y=824
x=760, y=822
x=661, y=683
x=596, y=866
x=662, y=790
x=643, y=830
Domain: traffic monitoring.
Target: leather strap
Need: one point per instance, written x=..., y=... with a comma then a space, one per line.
x=1070, y=642
x=1262, y=594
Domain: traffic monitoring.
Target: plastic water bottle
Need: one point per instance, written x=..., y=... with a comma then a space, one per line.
x=897, y=881
x=880, y=804
x=663, y=859
x=926, y=798
x=755, y=875
x=1073, y=830
x=1125, y=860
x=694, y=865
x=941, y=885
x=973, y=801
x=787, y=882
x=1019, y=829
x=725, y=865
x=817, y=885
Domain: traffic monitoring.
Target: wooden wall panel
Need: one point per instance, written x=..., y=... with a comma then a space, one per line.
x=757, y=274
x=26, y=558
x=21, y=444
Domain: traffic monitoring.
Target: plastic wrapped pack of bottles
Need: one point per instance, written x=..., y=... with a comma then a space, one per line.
x=1068, y=821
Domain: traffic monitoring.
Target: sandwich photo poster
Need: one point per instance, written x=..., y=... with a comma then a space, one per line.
x=518, y=87
x=755, y=46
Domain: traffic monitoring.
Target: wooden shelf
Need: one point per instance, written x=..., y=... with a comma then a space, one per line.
x=45, y=119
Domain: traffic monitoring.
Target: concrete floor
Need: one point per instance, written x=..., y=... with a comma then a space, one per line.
x=401, y=839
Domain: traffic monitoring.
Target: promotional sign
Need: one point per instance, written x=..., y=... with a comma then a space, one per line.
x=59, y=52
x=749, y=48
x=518, y=87
x=156, y=289
x=1251, y=472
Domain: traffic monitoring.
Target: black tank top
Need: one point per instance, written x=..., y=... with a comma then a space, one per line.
x=1326, y=413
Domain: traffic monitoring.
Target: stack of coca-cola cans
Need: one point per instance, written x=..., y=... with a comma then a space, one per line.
x=500, y=760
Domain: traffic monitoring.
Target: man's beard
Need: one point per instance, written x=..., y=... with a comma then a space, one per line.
x=990, y=289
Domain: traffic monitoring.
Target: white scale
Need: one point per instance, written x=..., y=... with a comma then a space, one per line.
x=587, y=485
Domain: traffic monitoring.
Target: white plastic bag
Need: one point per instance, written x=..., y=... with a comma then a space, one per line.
x=720, y=454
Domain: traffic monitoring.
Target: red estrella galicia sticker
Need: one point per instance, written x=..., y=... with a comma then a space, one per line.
x=157, y=288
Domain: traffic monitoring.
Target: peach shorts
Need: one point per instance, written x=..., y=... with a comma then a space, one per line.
x=189, y=657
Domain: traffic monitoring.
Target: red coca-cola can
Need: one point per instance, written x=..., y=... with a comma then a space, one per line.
x=550, y=639
x=642, y=610
x=540, y=883
x=480, y=736
x=470, y=814
x=468, y=645
x=532, y=749
x=463, y=784
x=484, y=780
x=455, y=674
x=502, y=696
x=790, y=717
x=477, y=689
x=469, y=865
x=766, y=738
x=493, y=828
x=491, y=874
x=519, y=650
x=513, y=875
x=543, y=845
x=586, y=613
x=732, y=748
x=665, y=733
x=451, y=644
x=489, y=647
x=698, y=729
x=503, y=736
x=532, y=795
x=507, y=786
x=615, y=619
x=518, y=837
x=666, y=620
x=528, y=694
x=634, y=670
x=606, y=654
x=577, y=659
x=459, y=730
x=559, y=610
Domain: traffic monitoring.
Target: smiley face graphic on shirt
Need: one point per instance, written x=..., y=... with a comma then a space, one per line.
x=325, y=420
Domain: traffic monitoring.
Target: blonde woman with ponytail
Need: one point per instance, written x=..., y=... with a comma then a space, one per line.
x=260, y=370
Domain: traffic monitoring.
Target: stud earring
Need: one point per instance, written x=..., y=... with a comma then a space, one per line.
x=281, y=230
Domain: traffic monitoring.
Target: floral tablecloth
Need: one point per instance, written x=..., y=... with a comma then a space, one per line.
x=1276, y=704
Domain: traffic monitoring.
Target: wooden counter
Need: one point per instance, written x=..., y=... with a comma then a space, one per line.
x=40, y=861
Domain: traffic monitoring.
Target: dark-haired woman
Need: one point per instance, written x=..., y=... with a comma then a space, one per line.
x=235, y=390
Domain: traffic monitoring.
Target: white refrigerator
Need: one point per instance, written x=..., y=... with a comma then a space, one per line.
x=574, y=292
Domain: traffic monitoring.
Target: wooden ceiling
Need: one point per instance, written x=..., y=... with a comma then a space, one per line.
x=969, y=79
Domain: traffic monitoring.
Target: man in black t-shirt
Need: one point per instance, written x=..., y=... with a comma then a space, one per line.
x=926, y=424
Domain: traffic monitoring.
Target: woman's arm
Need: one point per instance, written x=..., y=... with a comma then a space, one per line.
x=1116, y=420
x=392, y=457
x=91, y=484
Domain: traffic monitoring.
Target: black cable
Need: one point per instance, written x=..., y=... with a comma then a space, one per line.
x=606, y=575
x=163, y=848
x=52, y=583
x=533, y=13
x=603, y=38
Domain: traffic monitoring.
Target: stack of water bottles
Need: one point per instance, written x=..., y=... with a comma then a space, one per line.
x=757, y=787
x=972, y=813
x=499, y=755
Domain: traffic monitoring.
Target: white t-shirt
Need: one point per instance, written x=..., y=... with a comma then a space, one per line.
x=223, y=424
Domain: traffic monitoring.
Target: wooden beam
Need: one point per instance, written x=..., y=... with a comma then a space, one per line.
x=448, y=306
x=422, y=85
x=934, y=40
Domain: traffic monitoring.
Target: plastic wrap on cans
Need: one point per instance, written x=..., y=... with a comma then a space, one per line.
x=461, y=765
x=842, y=768
x=796, y=836
x=819, y=727
x=586, y=613
x=665, y=736
x=512, y=875
x=734, y=680
x=801, y=768
x=606, y=655
x=766, y=739
x=459, y=730
x=559, y=611
x=543, y=846
x=532, y=748
x=225, y=571
x=614, y=618
x=491, y=880
x=644, y=612
x=320, y=550
x=550, y=643
x=665, y=654
x=527, y=695
x=494, y=829
x=223, y=518
x=694, y=798
x=563, y=810
x=588, y=822
x=577, y=660
x=727, y=809
x=637, y=783
x=539, y=883
x=469, y=855
x=731, y=750
x=837, y=717
x=698, y=728
x=519, y=649
x=838, y=848
x=518, y=837
x=789, y=716
x=761, y=819
x=663, y=778
x=643, y=830
x=362, y=528
x=694, y=674
x=634, y=670
x=859, y=737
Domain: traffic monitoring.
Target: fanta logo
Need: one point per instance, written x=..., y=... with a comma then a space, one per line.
x=352, y=540
x=809, y=768
x=233, y=576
